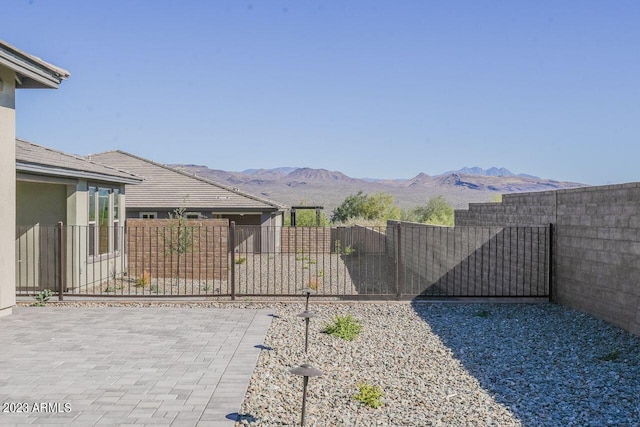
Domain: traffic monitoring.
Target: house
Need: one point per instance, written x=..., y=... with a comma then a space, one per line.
x=86, y=197
x=166, y=189
x=17, y=70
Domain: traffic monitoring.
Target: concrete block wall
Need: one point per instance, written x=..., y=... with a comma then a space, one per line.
x=597, y=244
x=516, y=210
x=148, y=249
x=306, y=240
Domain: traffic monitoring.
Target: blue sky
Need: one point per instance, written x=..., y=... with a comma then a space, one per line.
x=381, y=89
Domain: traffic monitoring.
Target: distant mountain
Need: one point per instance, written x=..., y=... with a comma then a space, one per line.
x=285, y=170
x=492, y=171
x=294, y=186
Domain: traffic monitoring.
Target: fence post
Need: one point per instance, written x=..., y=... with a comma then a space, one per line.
x=61, y=260
x=398, y=240
x=551, y=262
x=232, y=250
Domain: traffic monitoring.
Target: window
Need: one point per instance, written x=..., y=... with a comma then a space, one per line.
x=104, y=220
x=148, y=215
x=193, y=215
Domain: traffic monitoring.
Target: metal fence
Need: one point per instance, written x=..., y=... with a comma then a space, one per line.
x=401, y=260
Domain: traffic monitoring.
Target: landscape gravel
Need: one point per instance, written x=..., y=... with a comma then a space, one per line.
x=450, y=365
x=442, y=364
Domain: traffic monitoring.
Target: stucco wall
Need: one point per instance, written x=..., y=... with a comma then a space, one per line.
x=7, y=191
x=597, y=244
x=39, y=203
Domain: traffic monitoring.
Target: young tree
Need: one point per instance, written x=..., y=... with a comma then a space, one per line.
x=178, y=236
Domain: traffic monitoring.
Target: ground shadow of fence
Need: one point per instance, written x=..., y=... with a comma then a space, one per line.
x=538, y=360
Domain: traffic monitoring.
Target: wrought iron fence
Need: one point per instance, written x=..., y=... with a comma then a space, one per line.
x=402, y=260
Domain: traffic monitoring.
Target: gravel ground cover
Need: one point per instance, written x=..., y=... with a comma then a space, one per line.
x=450, y=365
x=443, y=364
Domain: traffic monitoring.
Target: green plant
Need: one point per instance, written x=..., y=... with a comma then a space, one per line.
x=155, y=289
x=437, y=211
x=337, y=248
x=42, y=297
x=369, y=395
x=612, y=356
x=345, y=327
x=241, y=260
x=483, y=313
x=109, y=288
x=178, y=236
x=144, y=280
x=378, y=206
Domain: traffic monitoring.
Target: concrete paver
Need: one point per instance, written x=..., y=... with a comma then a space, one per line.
x=127, y=366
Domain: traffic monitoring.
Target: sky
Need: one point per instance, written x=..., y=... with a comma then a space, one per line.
x=375, y=89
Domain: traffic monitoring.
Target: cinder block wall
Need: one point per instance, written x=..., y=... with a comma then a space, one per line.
x=149, y=249
x=305, y=240
x=597, y=244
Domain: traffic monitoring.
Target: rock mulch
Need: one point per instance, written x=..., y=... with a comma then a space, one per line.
x=450, y=364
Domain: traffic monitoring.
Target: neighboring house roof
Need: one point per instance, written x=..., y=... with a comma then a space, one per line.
x=167, y=188
x=31, y=71
x=35, y=159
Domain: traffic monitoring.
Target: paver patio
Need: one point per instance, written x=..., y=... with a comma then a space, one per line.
x=127, y=366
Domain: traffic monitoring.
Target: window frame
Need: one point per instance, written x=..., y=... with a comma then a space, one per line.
x=99, y=222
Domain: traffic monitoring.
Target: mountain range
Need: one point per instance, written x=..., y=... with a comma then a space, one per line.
x=321, y=187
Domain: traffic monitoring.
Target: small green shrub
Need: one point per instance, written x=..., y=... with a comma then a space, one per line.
x=155, y=289
x=109, y=288
x=369, y=395
x=347, y=250
x=42, y=298
x=241, y=260
x=144, y=280
x=345, y=327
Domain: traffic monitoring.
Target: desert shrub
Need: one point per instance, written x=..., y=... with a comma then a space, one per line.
x=42, y=298
x=369, y=395
x=345, y=327
x=144, y=280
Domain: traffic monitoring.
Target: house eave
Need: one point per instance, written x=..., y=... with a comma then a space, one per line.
x=31, y=71
x=37, y=169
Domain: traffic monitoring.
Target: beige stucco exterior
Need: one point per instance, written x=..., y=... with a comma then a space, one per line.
x=41, y=203
x=7, y=190
x=18, y=69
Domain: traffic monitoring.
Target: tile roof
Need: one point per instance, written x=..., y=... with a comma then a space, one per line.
x=37, y=159
x=166, y=187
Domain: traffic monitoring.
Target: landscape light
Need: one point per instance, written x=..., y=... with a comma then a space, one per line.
x=307, y=315
x=305, y=370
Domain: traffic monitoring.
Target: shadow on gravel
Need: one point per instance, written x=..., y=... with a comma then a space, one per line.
x=547, y=364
